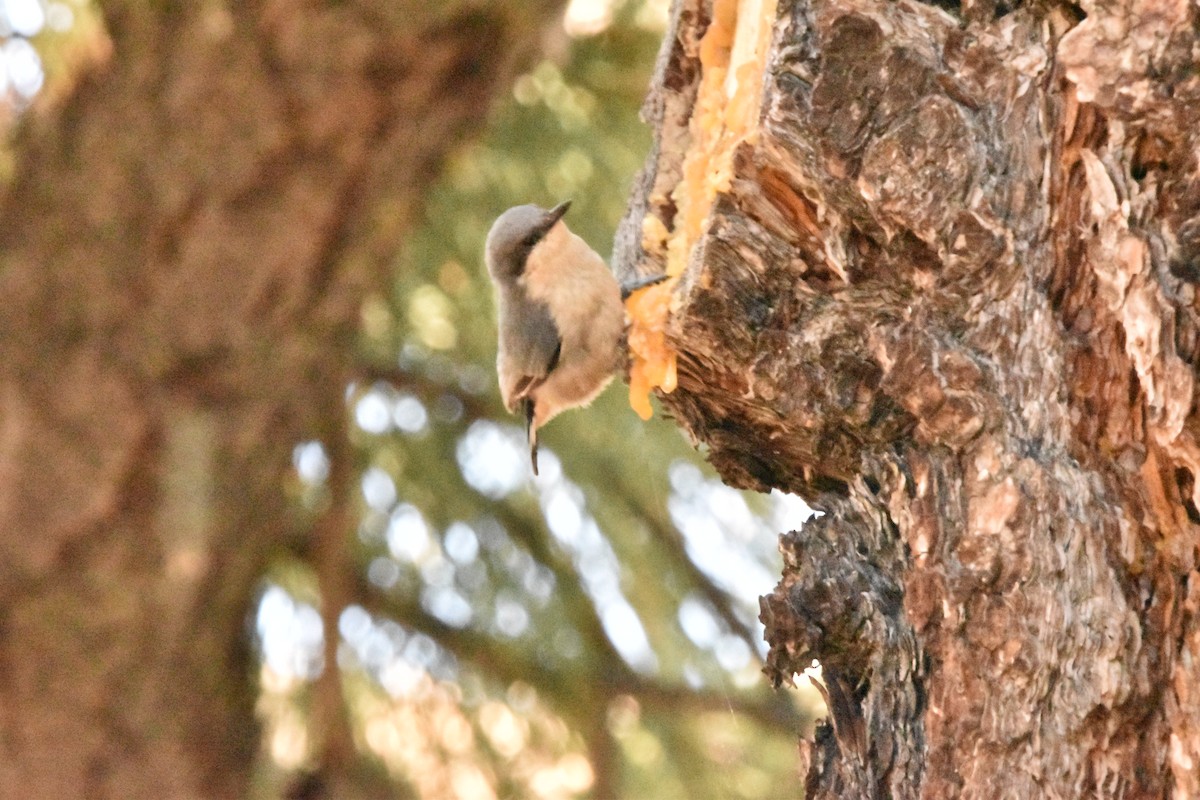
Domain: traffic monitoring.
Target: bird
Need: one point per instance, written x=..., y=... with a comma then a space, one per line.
x=560, y=316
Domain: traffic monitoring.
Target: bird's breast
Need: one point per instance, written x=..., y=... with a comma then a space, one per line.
x=575, y=284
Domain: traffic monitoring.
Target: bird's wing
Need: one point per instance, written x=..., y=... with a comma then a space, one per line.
x=529, y=351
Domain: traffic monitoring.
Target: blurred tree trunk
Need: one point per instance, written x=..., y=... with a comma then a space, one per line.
x=184, y=249
x=937, y=273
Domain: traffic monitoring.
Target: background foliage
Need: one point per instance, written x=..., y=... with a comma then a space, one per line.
x=593, y=630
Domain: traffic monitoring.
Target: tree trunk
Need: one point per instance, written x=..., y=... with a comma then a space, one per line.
x=936, y=272
x=185, y=246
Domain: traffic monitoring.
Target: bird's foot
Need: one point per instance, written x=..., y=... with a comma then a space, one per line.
x=640, y=283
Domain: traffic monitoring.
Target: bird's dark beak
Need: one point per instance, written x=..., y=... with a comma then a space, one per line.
x=556, y=213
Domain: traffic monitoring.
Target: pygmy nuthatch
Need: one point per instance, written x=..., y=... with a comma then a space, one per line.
x=560, y=314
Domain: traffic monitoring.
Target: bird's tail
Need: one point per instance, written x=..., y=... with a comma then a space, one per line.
x=531, y=432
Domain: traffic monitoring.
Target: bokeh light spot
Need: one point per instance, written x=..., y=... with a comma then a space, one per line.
x=408, y=534
x=698, y=622
x=310, y=462
x=409, y=414
x=461, y=543
x=587, y=17
x=448, y=605
x=372, y=413
x=494, y=459
x=24, y=67
x=383, y=572
x=512, y=619
x=378, y=488
x=290, y=635
x=25, y=17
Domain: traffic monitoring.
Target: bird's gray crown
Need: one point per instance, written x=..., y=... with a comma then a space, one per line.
x=515, y=233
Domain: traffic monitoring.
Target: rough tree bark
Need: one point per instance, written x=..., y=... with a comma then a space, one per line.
x=937, y=272
x=183, y=254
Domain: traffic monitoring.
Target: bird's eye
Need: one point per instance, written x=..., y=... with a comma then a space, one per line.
x=532, y=239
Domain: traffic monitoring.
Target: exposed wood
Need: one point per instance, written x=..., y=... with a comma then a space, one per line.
x=944, y=287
